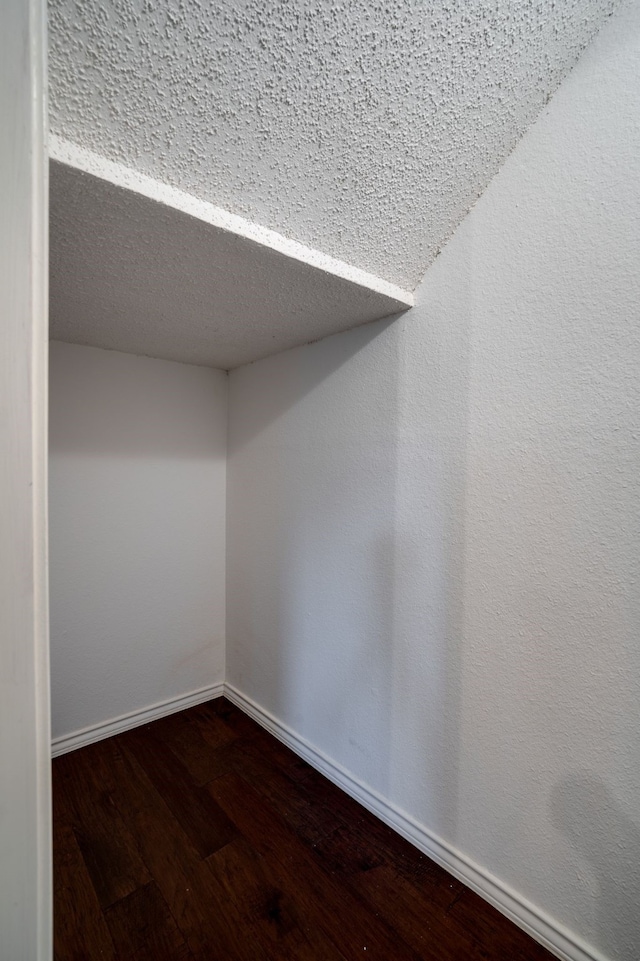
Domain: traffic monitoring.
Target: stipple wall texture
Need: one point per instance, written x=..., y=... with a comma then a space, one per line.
x=434, y=525
x=365, y=130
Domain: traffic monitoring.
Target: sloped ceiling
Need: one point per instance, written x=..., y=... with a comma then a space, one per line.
x=365, y=130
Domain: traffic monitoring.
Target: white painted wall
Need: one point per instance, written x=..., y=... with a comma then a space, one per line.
x=433, y=543
x=137, y=532
x=25, y=810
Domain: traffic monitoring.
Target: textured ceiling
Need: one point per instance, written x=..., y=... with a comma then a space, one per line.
x=363, y=129
x=137, y=267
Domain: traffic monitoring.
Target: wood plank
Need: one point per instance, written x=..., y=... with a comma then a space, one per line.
x=381, y=867
x=223, y=710
x=108, y=849
x=345, y=920
x=508, y=942
x=278, y=753
x=202, y=820
x=143, y=928
x=210, y=720
x=418, y=918
x=300, y=872
x=80, y=931
x=365, y=843
x=345, y=837
x=197, y=740
x=253, y=762
x=211, y=924
x=275, y=911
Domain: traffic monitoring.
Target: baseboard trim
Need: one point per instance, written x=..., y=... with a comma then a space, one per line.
x=98, y=732
x=548, y=932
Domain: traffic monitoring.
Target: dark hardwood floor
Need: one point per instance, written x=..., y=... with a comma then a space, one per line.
x=202, y=838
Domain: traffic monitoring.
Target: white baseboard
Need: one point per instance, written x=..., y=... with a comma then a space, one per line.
x=548, y=932
x=98, y=732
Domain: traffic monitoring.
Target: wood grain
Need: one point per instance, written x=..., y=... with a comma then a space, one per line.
x=143, y=928
x=201, y=838
x=108, y=849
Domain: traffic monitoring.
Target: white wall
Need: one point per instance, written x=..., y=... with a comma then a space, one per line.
x=137, y=532
x=433, y=543
x=25, y=805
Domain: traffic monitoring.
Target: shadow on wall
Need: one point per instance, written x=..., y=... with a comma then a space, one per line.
x=585, y=811
x=312, y=467
x=346, y=539
x=428, y=523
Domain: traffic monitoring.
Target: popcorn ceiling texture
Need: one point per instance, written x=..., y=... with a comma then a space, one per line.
x=365, y=130
x=132, y=274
